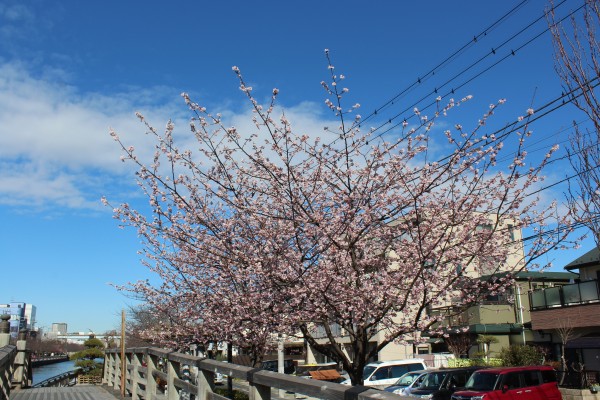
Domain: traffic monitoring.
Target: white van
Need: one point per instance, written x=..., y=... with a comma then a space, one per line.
x=381, y=374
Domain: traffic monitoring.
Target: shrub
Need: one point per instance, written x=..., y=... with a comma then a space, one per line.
x=472, y=362
x=514, y=356
x=237, y=395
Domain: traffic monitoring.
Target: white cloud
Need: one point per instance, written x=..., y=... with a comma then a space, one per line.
x=55, y=148
x=54, y=141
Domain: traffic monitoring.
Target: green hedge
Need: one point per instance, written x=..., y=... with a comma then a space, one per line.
x=512, y=356
x=471, y=362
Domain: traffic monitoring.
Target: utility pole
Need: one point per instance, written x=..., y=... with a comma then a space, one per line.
x=123, y=363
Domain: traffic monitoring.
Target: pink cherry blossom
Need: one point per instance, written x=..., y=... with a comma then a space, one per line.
x=251, y=236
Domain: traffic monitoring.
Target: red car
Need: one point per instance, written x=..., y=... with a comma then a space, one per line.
x=523, y=383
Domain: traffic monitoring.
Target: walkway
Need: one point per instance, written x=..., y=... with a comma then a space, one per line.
x=77, y=392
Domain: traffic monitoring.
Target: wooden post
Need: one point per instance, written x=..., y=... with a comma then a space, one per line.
x=172, y=373
x=151, y=386
x=123, y=360
x=20, y=375
x=108, y=368
x=4, y=330
x=135, y=374
x=205, y=381
x=118, y=371
x=114, y=368
x=259, y=392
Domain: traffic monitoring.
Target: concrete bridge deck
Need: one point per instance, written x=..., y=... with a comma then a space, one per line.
x=78, y=392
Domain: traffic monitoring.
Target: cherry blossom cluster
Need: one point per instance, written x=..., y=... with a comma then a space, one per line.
x=273, y=231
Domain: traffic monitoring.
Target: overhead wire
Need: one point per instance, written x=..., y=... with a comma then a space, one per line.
x=448, y=59
x=512, y=53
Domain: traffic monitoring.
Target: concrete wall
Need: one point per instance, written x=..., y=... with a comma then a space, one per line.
x=396, y=352
x=491, y=314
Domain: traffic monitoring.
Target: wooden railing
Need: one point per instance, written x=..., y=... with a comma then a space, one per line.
x=15, y=370
x=15, y=361
x=154, y=373
x=7, y=359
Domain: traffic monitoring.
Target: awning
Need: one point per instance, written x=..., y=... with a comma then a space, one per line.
x=325, y=375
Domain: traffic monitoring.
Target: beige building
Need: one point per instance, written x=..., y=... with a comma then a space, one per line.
x=497, y=316
x=507, y=317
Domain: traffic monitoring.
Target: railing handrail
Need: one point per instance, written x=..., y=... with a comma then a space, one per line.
x=142, y=362
x=7, y=355
x=562, y=300
x=7, y=359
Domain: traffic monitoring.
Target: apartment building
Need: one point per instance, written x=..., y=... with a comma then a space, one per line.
x=505, y=315
x=569, y=315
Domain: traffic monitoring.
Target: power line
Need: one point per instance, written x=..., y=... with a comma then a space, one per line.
x=510, y=54
x=447, y=60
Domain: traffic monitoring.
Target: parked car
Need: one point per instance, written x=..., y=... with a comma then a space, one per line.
x=382, y=374
x=219, y=379
x=289, y=367
x=523, y=383
x=440, y=384
x=406, y=381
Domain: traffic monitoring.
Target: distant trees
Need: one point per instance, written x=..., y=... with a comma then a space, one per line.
x=145, y=326
x=265, y=230
x=39, y=346
x=86, y=358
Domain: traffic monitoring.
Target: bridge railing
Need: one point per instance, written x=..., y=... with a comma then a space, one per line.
x=15, y=361
x=7, y=359
x=155, y=373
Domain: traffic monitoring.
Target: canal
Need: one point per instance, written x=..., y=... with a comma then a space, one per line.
x=44, y=372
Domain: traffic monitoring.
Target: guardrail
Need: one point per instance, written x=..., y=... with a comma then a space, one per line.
x=155, y=373
x=64, y=379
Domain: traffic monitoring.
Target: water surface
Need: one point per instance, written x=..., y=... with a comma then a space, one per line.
x=48, y=371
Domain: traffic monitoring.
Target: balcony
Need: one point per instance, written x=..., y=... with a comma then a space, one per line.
x=565, y=296
x=576, y=306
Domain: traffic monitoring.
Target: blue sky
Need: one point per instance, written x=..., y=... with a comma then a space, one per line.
x=71, y=70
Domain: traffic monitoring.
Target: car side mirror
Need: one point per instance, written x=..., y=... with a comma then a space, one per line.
x=504, y=388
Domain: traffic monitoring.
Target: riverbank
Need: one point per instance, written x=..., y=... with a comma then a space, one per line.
x=38, y=362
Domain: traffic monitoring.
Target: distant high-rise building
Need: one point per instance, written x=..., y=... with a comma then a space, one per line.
x=30, y=311
x=22, y=316
x=59, y=328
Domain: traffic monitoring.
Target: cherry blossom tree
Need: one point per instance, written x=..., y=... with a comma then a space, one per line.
x=577, y=54
x=272, y=231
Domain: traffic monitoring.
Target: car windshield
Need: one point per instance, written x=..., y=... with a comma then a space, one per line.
x=407, y=379
x=432, y=380
x=368, y=371
x=482, y=381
